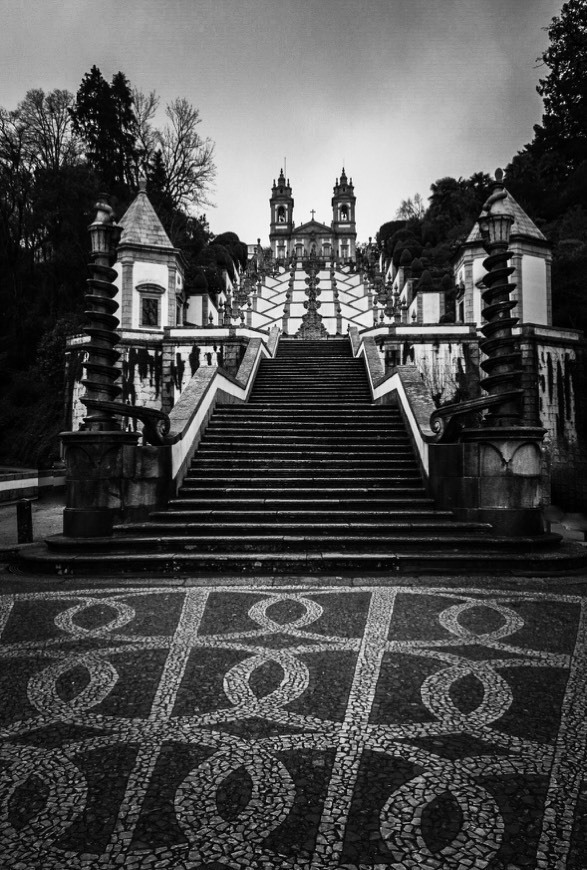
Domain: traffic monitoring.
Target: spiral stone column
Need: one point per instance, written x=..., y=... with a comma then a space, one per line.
x=504, y=359
x=101, y=371
x=100, y=457
x=501, y=473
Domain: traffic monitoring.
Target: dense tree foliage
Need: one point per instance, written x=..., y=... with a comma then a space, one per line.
x=57, y=151
x=564, y=89
x=104, y=119
x=548, y=177
x=426, y=240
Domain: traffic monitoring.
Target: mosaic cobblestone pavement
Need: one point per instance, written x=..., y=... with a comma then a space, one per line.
x=316, y=728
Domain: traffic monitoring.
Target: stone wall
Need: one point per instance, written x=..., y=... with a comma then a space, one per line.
x=142, y=374
x=155, y=370
x=562, y=396
x=449, y=366
x=74, y=411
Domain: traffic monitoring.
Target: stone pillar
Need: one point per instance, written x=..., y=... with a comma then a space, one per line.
x=171, y=296
x=548, y=265
x=97, y=464
x=518, y=293
x=492, y=477
x=233, y=350
x=470, y=289
x=127, y=290
x=508, y=468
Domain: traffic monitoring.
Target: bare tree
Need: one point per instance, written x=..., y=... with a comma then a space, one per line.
x=16, y=182
x=413, y=207
x=145, y=108
x=187, y=157
x=49, y=139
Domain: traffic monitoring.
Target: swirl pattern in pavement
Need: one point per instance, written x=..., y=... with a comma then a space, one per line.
x=292, y=728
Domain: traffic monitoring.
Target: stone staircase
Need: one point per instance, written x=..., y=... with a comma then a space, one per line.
x=308, y=477
x=345, y=300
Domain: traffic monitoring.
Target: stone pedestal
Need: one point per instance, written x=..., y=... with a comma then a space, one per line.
x=98, y=468
x=233, y=352
x=492, y=475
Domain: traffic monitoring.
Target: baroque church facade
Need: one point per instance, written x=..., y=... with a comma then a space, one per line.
x=338, y=241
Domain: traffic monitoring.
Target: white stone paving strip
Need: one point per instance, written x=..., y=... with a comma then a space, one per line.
x=6, y=605
x=348, y=757
x=570, y=757
x=161, y=710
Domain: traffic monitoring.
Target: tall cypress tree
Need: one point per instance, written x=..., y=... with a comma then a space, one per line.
x=564, y=89
x=104, y=118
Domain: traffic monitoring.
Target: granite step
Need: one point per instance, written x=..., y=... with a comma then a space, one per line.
x=328, y=461
x=324, y=482
x=299, y=448
x=234, y=436
x=215, y=526
x=231, y=510
x=532, y=557
x=308, y=497
x=306, y=543
x=281, y=475
x=351, y=424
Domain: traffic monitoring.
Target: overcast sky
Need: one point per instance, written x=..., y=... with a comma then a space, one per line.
x=402, y=91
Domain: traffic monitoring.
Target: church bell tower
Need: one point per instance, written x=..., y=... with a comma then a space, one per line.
x=282, y=204
x=343, y=217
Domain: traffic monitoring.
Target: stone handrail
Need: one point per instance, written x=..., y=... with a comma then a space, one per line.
x=194, y=407
x=403, y=386
x=445, y=420
x=155, y=423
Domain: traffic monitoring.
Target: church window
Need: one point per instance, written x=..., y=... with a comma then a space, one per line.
x=344, y=213
x=149, y=311
x=281, y=214
x=150, y=305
